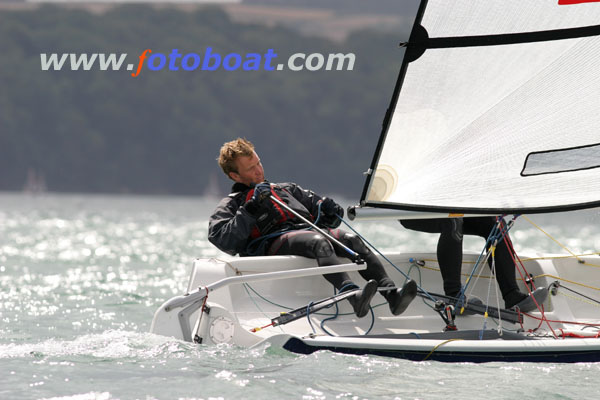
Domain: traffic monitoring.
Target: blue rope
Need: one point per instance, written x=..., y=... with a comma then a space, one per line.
x=334, y=316
x=262, y=240
x=420, y=280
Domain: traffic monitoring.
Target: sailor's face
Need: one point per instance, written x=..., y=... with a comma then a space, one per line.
x=249, y=170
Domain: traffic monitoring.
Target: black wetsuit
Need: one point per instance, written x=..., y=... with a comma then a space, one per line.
x=449, y=251
x=240, y=226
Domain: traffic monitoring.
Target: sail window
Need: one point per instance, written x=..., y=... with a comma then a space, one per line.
x=562, y=160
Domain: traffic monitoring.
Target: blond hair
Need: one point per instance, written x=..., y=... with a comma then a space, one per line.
x=230, y=151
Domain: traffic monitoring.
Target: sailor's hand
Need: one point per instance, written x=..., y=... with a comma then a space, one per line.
x=261, y=191
x=331, y=208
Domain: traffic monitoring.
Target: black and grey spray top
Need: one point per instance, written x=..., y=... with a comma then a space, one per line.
x=232, y=227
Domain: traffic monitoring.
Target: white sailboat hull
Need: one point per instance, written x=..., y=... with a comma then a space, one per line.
x=566, y=331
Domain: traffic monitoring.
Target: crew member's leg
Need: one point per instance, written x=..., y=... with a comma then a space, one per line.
x=398, y=299
x=314, y=245
x=449, y=248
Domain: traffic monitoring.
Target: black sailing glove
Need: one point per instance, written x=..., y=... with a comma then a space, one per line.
x=331, y=208
x=261, y=191
x=330, y=211
x=255, y=205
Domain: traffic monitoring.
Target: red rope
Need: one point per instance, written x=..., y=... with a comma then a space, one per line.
x=515, y=257
x=205, y=298
x=562, y=322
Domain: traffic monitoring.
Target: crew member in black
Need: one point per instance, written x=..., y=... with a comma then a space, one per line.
x=248, y=222
x=449, y=254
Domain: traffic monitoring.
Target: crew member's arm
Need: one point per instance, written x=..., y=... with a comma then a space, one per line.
x=231, y=224
x=329, y=209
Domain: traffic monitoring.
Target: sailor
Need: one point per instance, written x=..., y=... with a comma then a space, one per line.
x=449, y=254
x=248, y=222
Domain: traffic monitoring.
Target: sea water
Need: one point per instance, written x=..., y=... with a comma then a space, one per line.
x=81, y=277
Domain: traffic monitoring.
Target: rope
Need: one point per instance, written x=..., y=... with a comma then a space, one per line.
x=566, y=280
x=498, y=232
x=590, y=324
x=349, y=285
x=487, y=302
x=590, y=300
x=384, y=257
x=561, y=245
x=201, y=313
x=585, y=299
x=551, y=238
x=497, y=297
x=515, y=257
x=438, y=346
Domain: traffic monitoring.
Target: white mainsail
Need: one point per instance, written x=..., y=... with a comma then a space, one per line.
x=496, y=109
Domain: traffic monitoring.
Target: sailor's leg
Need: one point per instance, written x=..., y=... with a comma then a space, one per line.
x=398, y=299
x=450, y=253
x=314, y=245
x=449, y=248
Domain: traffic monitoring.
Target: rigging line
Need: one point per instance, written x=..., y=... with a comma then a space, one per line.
x=477, y=276
x=418, y=267
x=550, y=236
x=524, y=260
x=337, y=310
x=261, y=241
x=587, y=300
x=438, y=346
x=477, y=267
x=384, y=257
x=492, y=251
x=557, y=321
x=580, y=294
x=322, y=324
x=496, y=291
x=566, y=280
x=583, y=262
x=202, y=311
x=514, y=254
x=246, y=287
x=499, y=231
x=289, y=308
x=540, y=307
x=515, y=257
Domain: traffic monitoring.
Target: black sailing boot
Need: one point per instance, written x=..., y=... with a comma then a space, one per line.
x=362, y=299
x=399, y=299
x=525, y=302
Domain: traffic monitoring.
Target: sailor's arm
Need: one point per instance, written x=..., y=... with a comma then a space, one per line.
x=230, y=226
x=311, y=200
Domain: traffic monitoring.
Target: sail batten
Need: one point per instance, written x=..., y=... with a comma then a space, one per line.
x=488, y=128
x=509, y=38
